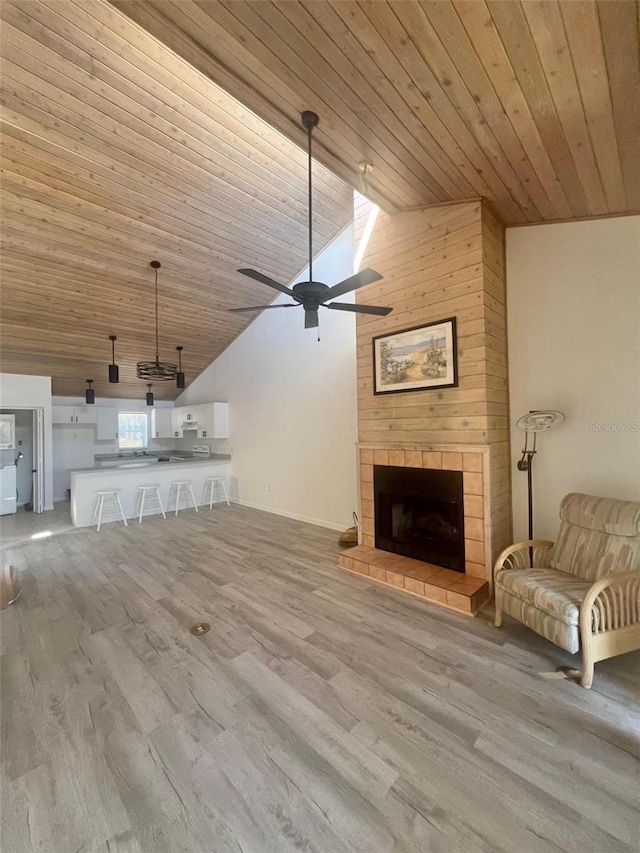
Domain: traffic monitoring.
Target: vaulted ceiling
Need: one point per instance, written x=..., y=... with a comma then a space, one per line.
x=117, y=152
x=121, y=145
x=534, y=106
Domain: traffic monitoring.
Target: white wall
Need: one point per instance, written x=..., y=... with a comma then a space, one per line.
x=292, y=404
x=75, y=445
x=574, y=323
x=32, y=392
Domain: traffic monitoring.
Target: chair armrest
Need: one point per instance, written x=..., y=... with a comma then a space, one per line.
x=519, y=556
x=610, y=603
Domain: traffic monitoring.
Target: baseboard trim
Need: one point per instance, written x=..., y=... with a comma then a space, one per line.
x=315, y=521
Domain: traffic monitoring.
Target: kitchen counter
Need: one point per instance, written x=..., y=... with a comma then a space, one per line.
x=152, y=462
x=86, y=481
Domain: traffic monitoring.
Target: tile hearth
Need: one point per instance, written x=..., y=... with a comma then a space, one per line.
x=455, y=590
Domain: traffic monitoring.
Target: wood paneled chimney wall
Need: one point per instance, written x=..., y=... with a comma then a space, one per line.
x=441, y=262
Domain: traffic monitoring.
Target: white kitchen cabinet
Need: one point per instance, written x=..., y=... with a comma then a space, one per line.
x=177, y=417
x=7, y=432
x=215, y=421
x=209, y=420
x=162, y=423
x=107, y=423
x=74, y=414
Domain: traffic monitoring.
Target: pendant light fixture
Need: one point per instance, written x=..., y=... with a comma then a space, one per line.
x=114, y=370
x=90, y=394
x=156, y=370
x=180, y=375
x=149, y=395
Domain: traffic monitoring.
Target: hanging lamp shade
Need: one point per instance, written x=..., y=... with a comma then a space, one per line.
x=89, y=394
x=180, y=383
x=149, y=395
x=156, y=370
x=114, y=370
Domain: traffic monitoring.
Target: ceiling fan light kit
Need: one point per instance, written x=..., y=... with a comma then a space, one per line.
x=313, y=295
x=156, y=370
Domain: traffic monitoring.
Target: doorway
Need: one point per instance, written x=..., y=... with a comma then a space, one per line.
x=27, y=455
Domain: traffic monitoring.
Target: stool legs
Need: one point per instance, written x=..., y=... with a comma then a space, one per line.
x=193, y=497
x=176, y=493
x=97, y=513
x=121, y=510
x=209, y=491
x=155, y=495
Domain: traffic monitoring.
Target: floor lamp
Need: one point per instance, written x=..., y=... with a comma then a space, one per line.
x=534, y=422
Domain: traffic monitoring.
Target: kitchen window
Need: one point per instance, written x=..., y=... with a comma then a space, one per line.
x=132, y=430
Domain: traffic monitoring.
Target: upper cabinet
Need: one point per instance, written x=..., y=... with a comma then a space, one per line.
x=205, y=420
x=217, y=420
x=107, y=423
x=162, y=423
x=74, y=414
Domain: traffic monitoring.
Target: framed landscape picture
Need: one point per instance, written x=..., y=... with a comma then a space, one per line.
x=416, y=359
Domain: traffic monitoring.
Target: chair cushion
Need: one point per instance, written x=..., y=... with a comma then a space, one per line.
x=598, y=537
x=555, y=593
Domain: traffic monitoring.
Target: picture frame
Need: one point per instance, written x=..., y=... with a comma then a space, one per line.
x=416, y=359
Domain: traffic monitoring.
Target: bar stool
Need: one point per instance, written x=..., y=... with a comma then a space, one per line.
x=211, y=487
x=149, y=492
x=176, y=494
x=111, y=496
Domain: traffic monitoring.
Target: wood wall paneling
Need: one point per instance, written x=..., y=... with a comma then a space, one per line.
x=117, y=151
x=437, y=263
x=530, y=105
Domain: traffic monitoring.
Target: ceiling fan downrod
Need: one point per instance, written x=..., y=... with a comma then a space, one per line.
x=309, y=121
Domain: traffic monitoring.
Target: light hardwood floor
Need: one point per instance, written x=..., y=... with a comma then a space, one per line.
x=321, y=713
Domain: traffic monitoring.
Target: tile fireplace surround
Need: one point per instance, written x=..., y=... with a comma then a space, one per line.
x=465, y=592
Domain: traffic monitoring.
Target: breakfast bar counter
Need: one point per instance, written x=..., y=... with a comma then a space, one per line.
x=85, y=482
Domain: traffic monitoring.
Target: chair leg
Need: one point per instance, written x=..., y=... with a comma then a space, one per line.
x=193, y=497
x=588, y=663
x=177, y=499
x=497, y=619
x=141, y=507
x=121, y=510
x=224, y=492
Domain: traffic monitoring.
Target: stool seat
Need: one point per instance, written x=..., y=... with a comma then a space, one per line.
x=212, y=485
x=178, y=487
x=111, y=496
x=151, y=492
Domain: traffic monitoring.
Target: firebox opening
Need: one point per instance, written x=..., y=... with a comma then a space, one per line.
x=419, y=513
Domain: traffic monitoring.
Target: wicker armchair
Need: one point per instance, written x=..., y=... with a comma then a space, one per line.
x=584, y=590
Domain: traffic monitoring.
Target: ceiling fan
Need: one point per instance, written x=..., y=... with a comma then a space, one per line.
x=312, y=295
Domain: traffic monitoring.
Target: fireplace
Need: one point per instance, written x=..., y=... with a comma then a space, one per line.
x=419, y=513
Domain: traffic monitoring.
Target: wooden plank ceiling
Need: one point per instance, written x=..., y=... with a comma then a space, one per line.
x=116, y=152
x=531, y=105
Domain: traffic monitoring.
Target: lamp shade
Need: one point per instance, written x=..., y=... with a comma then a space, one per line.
x=149, y=395
x=89, y=394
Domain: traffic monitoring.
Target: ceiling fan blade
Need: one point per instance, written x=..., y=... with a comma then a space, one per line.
x=264, y=307
x=258, y=276
x=311, y=318
x=366, y=276
x=360, y=309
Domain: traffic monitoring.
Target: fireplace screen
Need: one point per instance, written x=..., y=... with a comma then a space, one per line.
x=419, y=513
